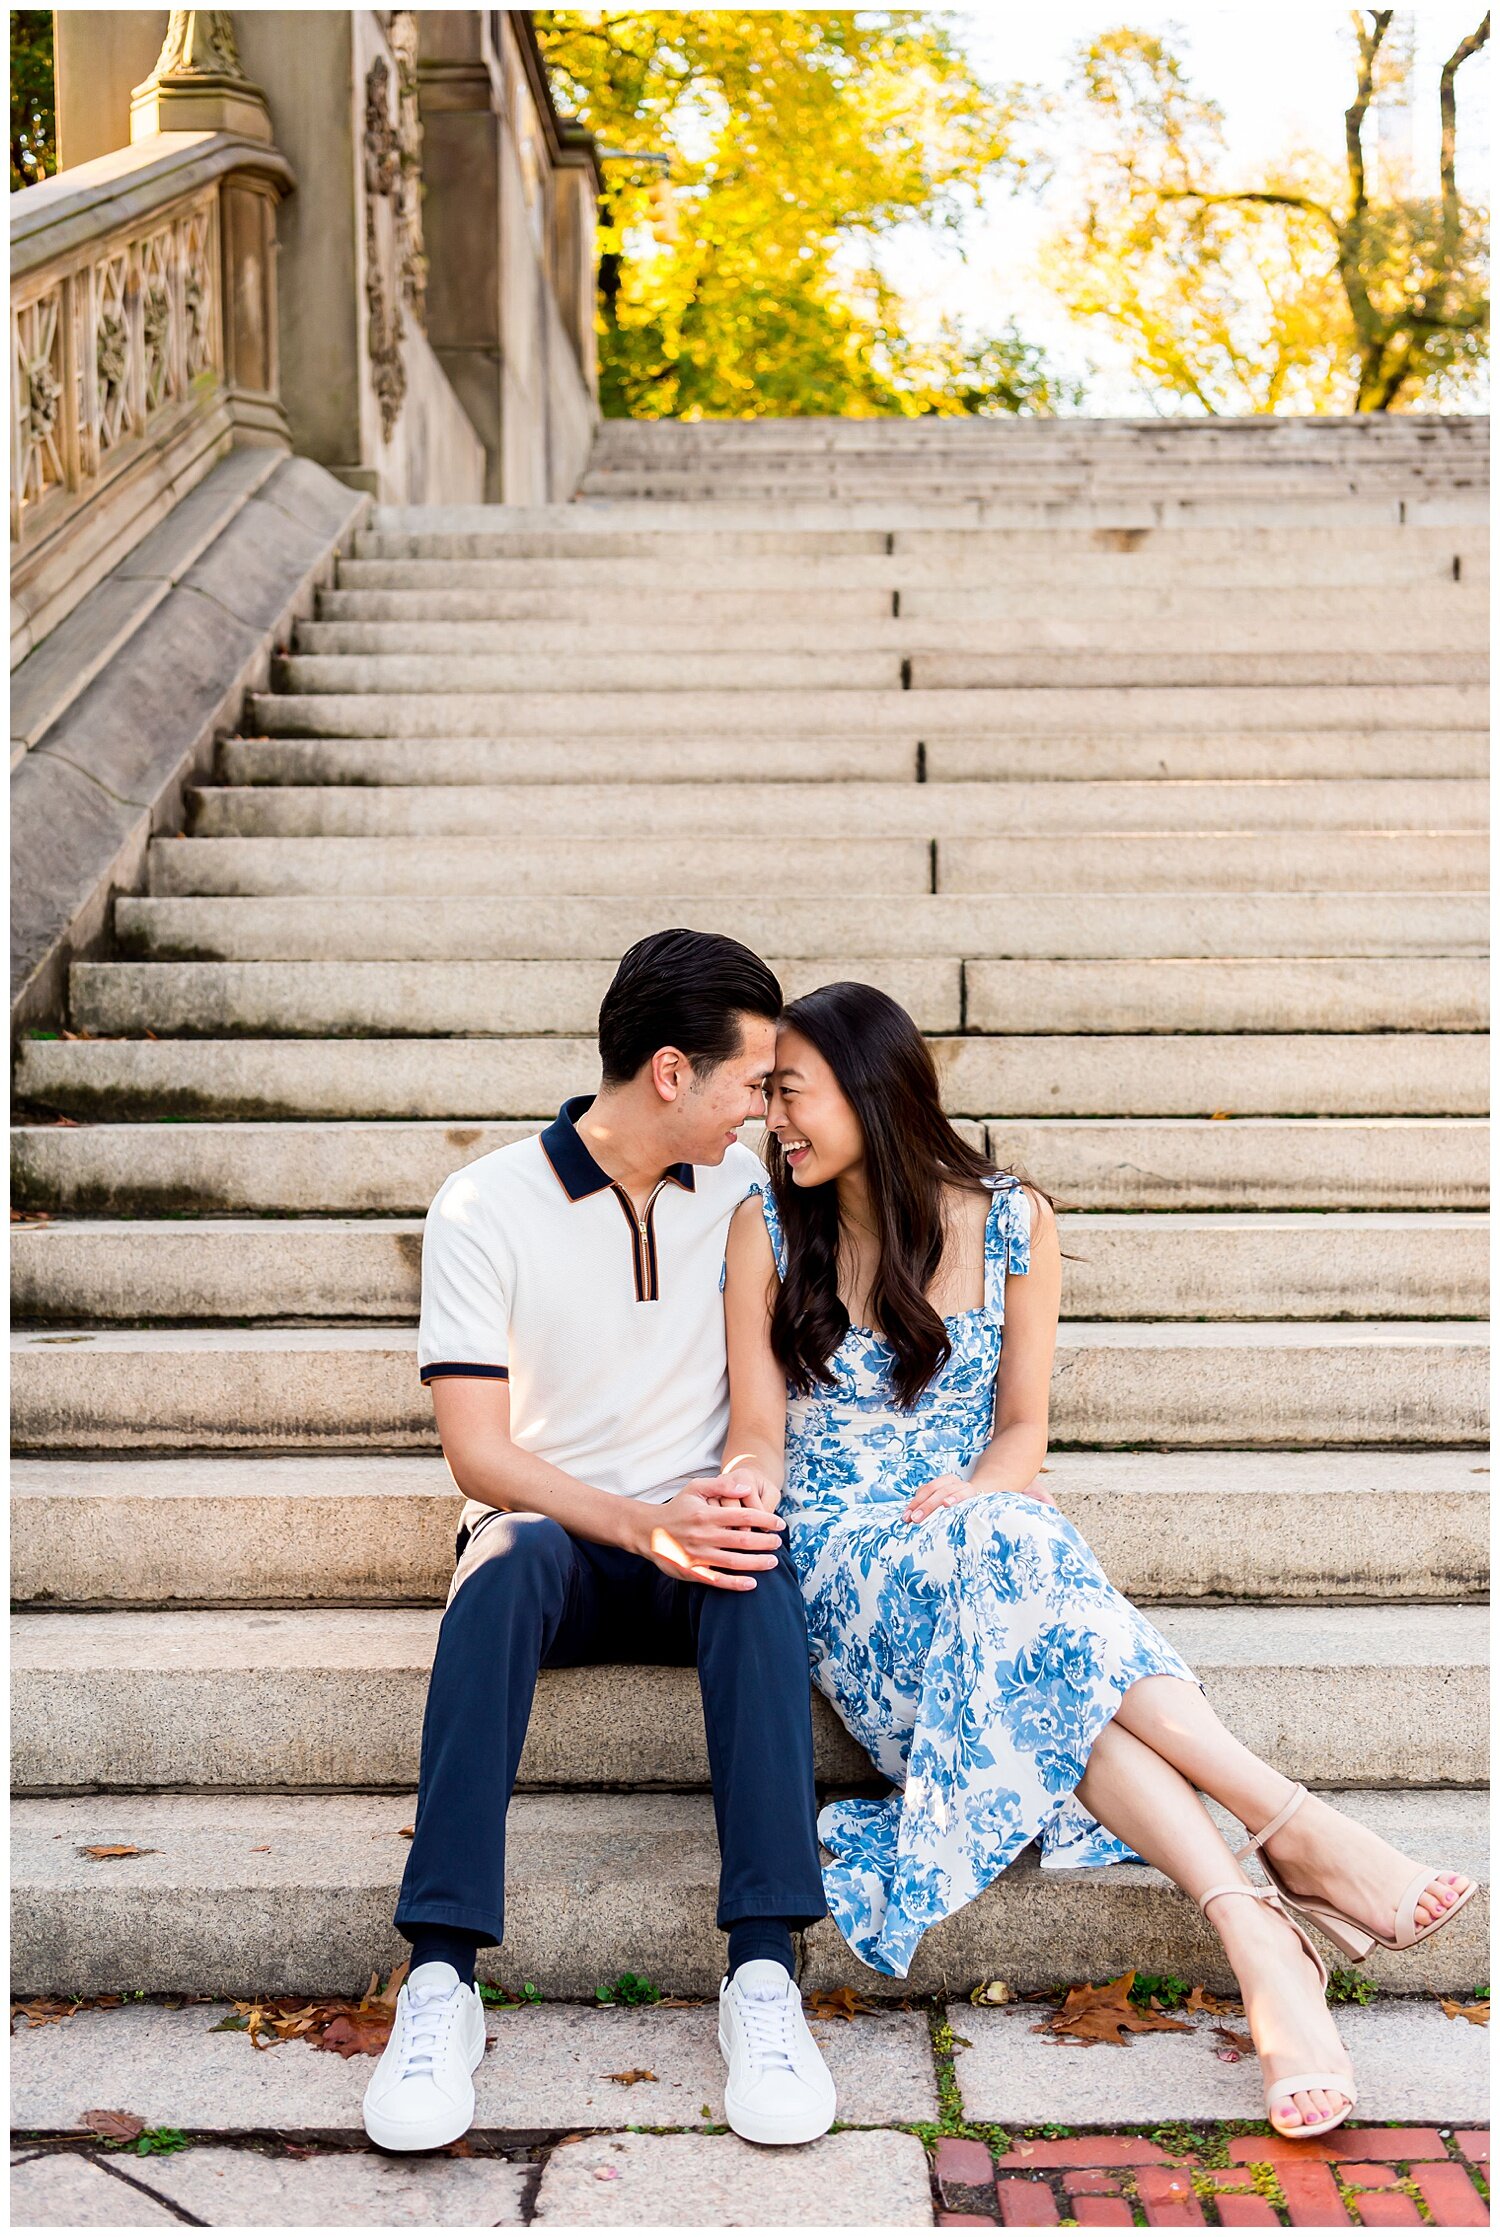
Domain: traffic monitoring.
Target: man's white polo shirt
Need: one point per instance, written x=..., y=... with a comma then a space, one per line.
x=609, y=1329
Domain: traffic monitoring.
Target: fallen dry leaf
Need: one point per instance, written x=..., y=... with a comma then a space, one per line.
x=1228, y=2007
x=837, y=2003
x=1234, y=2039
x=44, y=2011
x=120, y=2128
x=329, y=2023
x=992, y=1992
x=101, y=1851
x=1221, y=1114
x=265, y=1851
x=1106, y=2014
x=406, y=1832
x=631, y=2075
x=1477, y=2015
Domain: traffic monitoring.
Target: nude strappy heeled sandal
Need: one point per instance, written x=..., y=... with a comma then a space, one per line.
x=1346, y=1934
x=1288, y=2085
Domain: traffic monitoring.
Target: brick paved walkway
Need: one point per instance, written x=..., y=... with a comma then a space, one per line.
x=1375, y=2178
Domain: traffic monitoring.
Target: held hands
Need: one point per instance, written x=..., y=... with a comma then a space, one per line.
x=717, y=1531
x=947, y=1491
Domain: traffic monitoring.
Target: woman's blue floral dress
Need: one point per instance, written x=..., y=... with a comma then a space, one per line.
x=976, y=1656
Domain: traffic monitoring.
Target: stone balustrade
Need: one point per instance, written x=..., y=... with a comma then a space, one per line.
x=143, y=347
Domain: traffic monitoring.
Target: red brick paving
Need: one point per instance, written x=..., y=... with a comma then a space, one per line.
x=1474, y=2143
x=1026, y=2205
x=1102, y=2213
x=1311, y=2194
x=1387, y=2209
x=1095, y=2180
x=1455, y=2203
x=966, y=2221
x=1343, y=2143
x=1247, y=2211
x=962, y=2161
x=1085, y=2151
x=1367, y=2176
x=1169, y=2198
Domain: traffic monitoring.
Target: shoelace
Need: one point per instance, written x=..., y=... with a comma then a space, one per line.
x=426, y=2017
x=768, y=2025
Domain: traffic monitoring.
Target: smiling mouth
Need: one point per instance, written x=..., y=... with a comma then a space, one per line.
x=796, y=1150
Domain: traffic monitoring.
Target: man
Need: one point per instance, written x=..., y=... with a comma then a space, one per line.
x=573, y=1340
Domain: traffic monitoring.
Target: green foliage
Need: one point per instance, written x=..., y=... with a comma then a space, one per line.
x=1350, y=1988
x=155, y=2142
x=491, y=1992
x=629, y=1988
x=1306, y=290
x=744, y=279
x=1166, y=1988
x=33, y=112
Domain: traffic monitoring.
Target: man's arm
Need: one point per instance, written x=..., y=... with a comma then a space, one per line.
x=689, y=1536
x=755, y=1443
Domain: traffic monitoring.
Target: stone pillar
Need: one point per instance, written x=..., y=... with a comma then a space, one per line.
x=197, y=84
x=459, y=77
x=100, y=56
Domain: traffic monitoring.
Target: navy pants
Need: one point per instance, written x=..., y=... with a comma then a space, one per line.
x=541, y=1599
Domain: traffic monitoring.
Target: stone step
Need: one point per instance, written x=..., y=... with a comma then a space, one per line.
x=1030, y=567
x=1363, y=649
x=715, y=865
x=332, y=1698
x=263, y=1894
x=370, y=1529
x=708, y=504
x=1177, y=755
x=1093, y=925
x=1121, y=1075
x=848, y=809
x=1246, y=994
x=395, y=1167
x=810, y=714
x=1255, y=1384
x=1418, y=612
x=1133, y=1266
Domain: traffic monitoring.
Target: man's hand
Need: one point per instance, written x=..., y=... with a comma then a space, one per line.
x=742, y=1485
x=713, y=1536
x=947, y=1491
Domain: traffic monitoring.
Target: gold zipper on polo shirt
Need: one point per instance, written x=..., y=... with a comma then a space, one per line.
x=643, y=1244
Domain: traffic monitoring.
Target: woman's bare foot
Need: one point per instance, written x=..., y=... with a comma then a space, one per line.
x=1325, y=1856
x=1288, y=2016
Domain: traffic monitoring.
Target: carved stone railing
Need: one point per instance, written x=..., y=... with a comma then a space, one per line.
x=143, y=346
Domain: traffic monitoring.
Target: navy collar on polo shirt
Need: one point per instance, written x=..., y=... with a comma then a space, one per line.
x=573, y=1162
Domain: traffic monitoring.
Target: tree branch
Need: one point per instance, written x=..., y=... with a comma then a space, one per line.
x=1354, y=116
x=1275, y=200
x=1448, y=105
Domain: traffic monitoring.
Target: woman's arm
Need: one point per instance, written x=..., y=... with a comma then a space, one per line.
x=1018, y=1444
x=755, y=1442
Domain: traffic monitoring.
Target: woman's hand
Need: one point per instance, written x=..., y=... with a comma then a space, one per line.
x=947, y=1491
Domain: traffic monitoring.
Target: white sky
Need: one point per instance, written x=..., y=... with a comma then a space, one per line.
x=1281, y=74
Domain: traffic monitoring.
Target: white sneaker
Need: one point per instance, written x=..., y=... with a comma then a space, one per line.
x=779, y=2091
x=421, y=2094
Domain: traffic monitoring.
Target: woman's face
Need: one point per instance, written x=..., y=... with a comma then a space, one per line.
x=810, y=1115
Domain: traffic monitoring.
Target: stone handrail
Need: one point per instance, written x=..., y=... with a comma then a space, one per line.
x=143, y=346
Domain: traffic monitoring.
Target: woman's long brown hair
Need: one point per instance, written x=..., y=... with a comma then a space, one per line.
x=885, y=1070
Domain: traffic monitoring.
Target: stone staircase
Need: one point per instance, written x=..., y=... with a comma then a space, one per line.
x=1144, y=763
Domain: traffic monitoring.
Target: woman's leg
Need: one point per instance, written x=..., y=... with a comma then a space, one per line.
x=1136, y=1794
x=1317, y=1850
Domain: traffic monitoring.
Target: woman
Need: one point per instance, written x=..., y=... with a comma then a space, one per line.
x=959, y=1624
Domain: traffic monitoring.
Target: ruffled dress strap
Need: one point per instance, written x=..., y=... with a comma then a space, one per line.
x=774, y=1228
x=1007, y=1240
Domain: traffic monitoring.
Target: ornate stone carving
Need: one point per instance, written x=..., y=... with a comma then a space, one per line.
x=199, y=43
x=386, y=325
x=38, y=391
x=403, y=42
x=199, y=83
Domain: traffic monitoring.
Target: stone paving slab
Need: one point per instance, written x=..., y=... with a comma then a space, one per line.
x=226, y=2188
x=1411, y=2063
x=847, y=2181
x=67, y=2190
x=549, y=2067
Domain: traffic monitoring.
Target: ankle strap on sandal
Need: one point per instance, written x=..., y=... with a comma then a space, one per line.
x=1240, y=1887
x=1269, y=1832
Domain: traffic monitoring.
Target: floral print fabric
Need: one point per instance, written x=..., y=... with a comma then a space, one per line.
x=976, y=1656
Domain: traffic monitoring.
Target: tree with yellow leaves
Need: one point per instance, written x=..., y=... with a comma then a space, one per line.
x=1307, y=292
x=743, y=280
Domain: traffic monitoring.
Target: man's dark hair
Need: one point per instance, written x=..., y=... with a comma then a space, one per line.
x=682, y=990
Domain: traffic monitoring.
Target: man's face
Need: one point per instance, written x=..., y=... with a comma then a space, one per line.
x=719, y=1100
